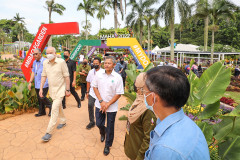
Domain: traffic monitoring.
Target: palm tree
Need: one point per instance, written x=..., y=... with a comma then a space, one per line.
x=219, y=9
x=117, y=4
x=202, y=11
x=167, y=11
x=89, y=9
x=19, y=27
x=149, y=17
x=140, y=10
x=51, y=6
x=102, y=9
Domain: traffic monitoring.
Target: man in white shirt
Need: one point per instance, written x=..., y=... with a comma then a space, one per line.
x=90, y=93
x=108, y=87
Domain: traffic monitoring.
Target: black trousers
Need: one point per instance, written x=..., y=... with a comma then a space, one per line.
x=124, y=80
x=43, y=101
x=83, y=90
x=74, y=93
x=100, y=122
x=91, y=102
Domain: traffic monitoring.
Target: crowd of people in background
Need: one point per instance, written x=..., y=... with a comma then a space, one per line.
x=155, y=119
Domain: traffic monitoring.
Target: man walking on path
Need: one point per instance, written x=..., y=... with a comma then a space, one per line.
x=83, y=71
x=36, y=76
x=56, y=70
x=72, y=71
x=108, y=87
x=90, y=93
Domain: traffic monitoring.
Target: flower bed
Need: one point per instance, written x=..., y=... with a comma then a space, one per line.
x=229, y=101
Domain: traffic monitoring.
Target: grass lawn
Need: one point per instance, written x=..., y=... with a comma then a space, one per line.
x=233, y=95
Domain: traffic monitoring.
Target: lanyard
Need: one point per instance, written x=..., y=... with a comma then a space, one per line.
x=38, y=66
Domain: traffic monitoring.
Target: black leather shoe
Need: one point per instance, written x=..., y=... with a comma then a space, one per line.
x=90, y=125
x=49, y=114
x=82, y=99
x=64, y=107
x=106, y=151
x=102, y=138
x=38, y=115
x=79, y=105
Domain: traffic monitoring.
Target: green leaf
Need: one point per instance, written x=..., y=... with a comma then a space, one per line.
x=19, y=96
x=213, y=83
x=193, y=80
x=131, y=97
x=123, y=118
x=11, y=94
x=132, y=75
x=230, y=148
x=150, y=66
x=207, y=130
x=210, y=110
x=225, y=126
x=9, y=108
x=234, y=113
x=126, y=108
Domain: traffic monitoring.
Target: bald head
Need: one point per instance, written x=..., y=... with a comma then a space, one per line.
x=51, y=50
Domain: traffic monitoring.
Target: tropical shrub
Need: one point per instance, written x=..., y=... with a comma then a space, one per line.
x=207, y=90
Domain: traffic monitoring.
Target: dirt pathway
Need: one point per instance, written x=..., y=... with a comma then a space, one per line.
x=20, y=137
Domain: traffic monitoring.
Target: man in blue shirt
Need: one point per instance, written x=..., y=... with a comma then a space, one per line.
x=176, y=137
x=36, y=75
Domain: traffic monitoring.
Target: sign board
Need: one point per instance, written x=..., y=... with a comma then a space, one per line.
x=44, y=33
x=92, y=50
x=134, y=45
x=80, y=45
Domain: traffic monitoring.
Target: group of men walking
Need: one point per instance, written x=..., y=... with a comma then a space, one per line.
x=102, y=87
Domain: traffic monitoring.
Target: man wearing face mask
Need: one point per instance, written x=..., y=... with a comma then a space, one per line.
x=56, y=70
x=90, y=93
x=175, y=136
x=36, y=76
x=83, y=71
x=72, y=71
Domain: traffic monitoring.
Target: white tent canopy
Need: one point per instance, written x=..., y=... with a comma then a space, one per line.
x=155, y=50
x=180, y=48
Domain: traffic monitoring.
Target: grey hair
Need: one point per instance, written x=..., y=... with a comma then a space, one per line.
x=38, y=49
x=112, y=58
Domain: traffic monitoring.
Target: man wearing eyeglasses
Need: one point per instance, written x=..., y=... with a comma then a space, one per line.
x=36, y=76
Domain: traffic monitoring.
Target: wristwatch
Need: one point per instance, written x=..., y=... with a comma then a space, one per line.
x=100, y=101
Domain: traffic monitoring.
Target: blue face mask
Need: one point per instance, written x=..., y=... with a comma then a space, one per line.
x=145, y=100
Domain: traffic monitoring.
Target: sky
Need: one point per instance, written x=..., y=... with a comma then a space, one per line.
x=34, y=13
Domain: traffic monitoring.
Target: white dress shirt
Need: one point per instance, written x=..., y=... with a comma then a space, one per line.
x=90, y=77
x=108, y=86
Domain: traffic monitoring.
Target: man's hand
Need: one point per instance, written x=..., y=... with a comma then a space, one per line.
x=29, y=86
x=73, y=83
x=67, y=93
x=87, y=95
x=41, y=93
x=103, y=106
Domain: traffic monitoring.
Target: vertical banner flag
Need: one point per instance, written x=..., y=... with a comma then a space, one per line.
x=92, y=50
x=134, y=45
x=44, y=33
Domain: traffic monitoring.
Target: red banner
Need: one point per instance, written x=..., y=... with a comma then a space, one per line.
x=44, y=33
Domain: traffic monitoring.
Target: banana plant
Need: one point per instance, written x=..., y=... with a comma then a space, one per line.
x=207, y=90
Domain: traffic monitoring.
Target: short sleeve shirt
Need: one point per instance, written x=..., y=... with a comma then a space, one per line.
x=56, y=73
x=90, y=78
x=37, y=70
x=71, y=68
x=177, y=137
x=108, y=86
